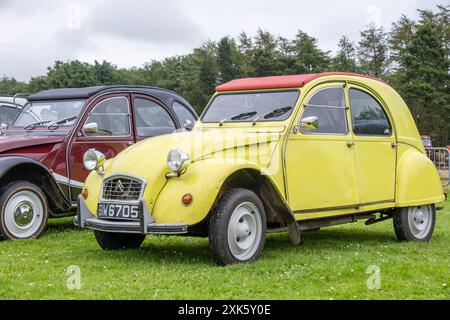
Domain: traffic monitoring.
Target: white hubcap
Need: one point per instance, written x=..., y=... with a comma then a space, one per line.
x=24, y=214
x=244, y=231
x=420, y=221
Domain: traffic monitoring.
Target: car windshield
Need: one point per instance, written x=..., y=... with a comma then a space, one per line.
x=251, y=107
x=53, y=113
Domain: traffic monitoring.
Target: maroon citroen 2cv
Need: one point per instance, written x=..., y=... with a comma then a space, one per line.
x=41, y=154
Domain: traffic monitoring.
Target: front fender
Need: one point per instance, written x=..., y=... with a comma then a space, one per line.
x=9, y=162
x=203, y=181
x=13, y=168
x=418, y=181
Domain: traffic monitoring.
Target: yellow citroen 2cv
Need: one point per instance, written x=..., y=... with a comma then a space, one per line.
x=285, y=153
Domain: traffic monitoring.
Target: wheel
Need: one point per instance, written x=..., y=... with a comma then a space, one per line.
x=415, y=223
x=237, y=230
x=118, y=241
x=23, y=211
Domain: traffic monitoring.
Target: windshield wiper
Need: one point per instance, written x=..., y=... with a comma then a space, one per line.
x=32, y=126
x=56, y=124
x=277, y=112
x=242, y=116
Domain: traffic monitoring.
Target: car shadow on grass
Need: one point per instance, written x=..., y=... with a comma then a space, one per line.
x=61, y=225
x=160, y=250
x=195, y=251
x=333, y=237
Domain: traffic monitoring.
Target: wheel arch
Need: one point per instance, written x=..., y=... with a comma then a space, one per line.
x=418, y=181
x=26, y=169
x=277, y=210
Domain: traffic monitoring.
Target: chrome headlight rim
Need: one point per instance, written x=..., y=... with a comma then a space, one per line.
x=177, y=160
x=93, y=160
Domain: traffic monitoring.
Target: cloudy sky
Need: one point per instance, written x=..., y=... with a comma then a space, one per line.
x=128, y=33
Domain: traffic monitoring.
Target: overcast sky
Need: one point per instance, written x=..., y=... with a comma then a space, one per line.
x=128, y=33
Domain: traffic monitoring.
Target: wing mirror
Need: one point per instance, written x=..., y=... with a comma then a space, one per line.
x=90, y=128
x=188, y=125
x=310, y=123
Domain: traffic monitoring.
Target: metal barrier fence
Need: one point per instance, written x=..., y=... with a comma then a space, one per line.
x=441, y=159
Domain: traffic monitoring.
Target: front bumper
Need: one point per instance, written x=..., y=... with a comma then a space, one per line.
x=146, y=225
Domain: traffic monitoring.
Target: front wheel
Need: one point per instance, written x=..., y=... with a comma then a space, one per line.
x=415, y=223
x=23, y=211
x=118, y=241
x=237, y=230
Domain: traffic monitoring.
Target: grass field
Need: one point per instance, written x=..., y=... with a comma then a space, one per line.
x=330, y=264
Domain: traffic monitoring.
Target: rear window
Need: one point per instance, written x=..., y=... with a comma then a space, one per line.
x=7, y=113
x=368, y=116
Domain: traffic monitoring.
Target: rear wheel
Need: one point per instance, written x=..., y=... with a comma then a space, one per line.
x=118, y=241
x=415, y=223
x=23, y=211
x=237, y=229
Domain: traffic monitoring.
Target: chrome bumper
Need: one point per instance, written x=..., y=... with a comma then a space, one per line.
x=146, y=225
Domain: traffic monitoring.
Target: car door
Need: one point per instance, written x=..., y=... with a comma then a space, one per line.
x=111, y=116
x=374, y=147
x=152, y=118
x=320, y=167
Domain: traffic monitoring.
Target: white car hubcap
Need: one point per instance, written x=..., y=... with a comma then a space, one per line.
x=420, y=221
x=24, y=214
x=244, y=231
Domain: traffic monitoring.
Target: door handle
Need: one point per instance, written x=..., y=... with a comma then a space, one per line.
x=394, y=145
x=350, y=144
x=130, y=143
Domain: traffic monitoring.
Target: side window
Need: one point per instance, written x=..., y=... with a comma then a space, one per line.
x=368, y=115
x=7, y=114
x=152, y=119
x=183, y=113
x=112, y=117
x=328, y=105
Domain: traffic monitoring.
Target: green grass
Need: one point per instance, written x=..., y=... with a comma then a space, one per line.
x=330, y=264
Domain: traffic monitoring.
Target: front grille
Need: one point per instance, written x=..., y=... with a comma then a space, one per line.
x=122, y=188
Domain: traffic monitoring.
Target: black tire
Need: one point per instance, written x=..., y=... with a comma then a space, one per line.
x=118, y=241
x=219, y=225
x=403, y=229
x=37, y=227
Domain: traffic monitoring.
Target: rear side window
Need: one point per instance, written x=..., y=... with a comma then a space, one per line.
x=183, y=113
x=368, y=115
x=152, y=119
x=328, y=105
x=112, y=117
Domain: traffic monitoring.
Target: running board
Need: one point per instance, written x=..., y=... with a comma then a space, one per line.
x=327, y=222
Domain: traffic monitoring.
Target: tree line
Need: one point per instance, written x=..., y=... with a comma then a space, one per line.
x=413, y=57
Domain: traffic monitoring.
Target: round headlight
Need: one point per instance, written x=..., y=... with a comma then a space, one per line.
x=177, y=159
x=93, y=159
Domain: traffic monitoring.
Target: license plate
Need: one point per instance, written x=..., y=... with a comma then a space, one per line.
x=118, y=211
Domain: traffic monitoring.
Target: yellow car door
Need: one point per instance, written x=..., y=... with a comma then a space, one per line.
x=319, y=155
x=374, y=146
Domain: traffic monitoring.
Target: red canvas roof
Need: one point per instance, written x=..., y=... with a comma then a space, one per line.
x=277, y=82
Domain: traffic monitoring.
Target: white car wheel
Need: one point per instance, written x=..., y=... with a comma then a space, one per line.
x=23, y=211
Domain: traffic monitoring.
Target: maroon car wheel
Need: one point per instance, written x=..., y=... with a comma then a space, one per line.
x=24, y=211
